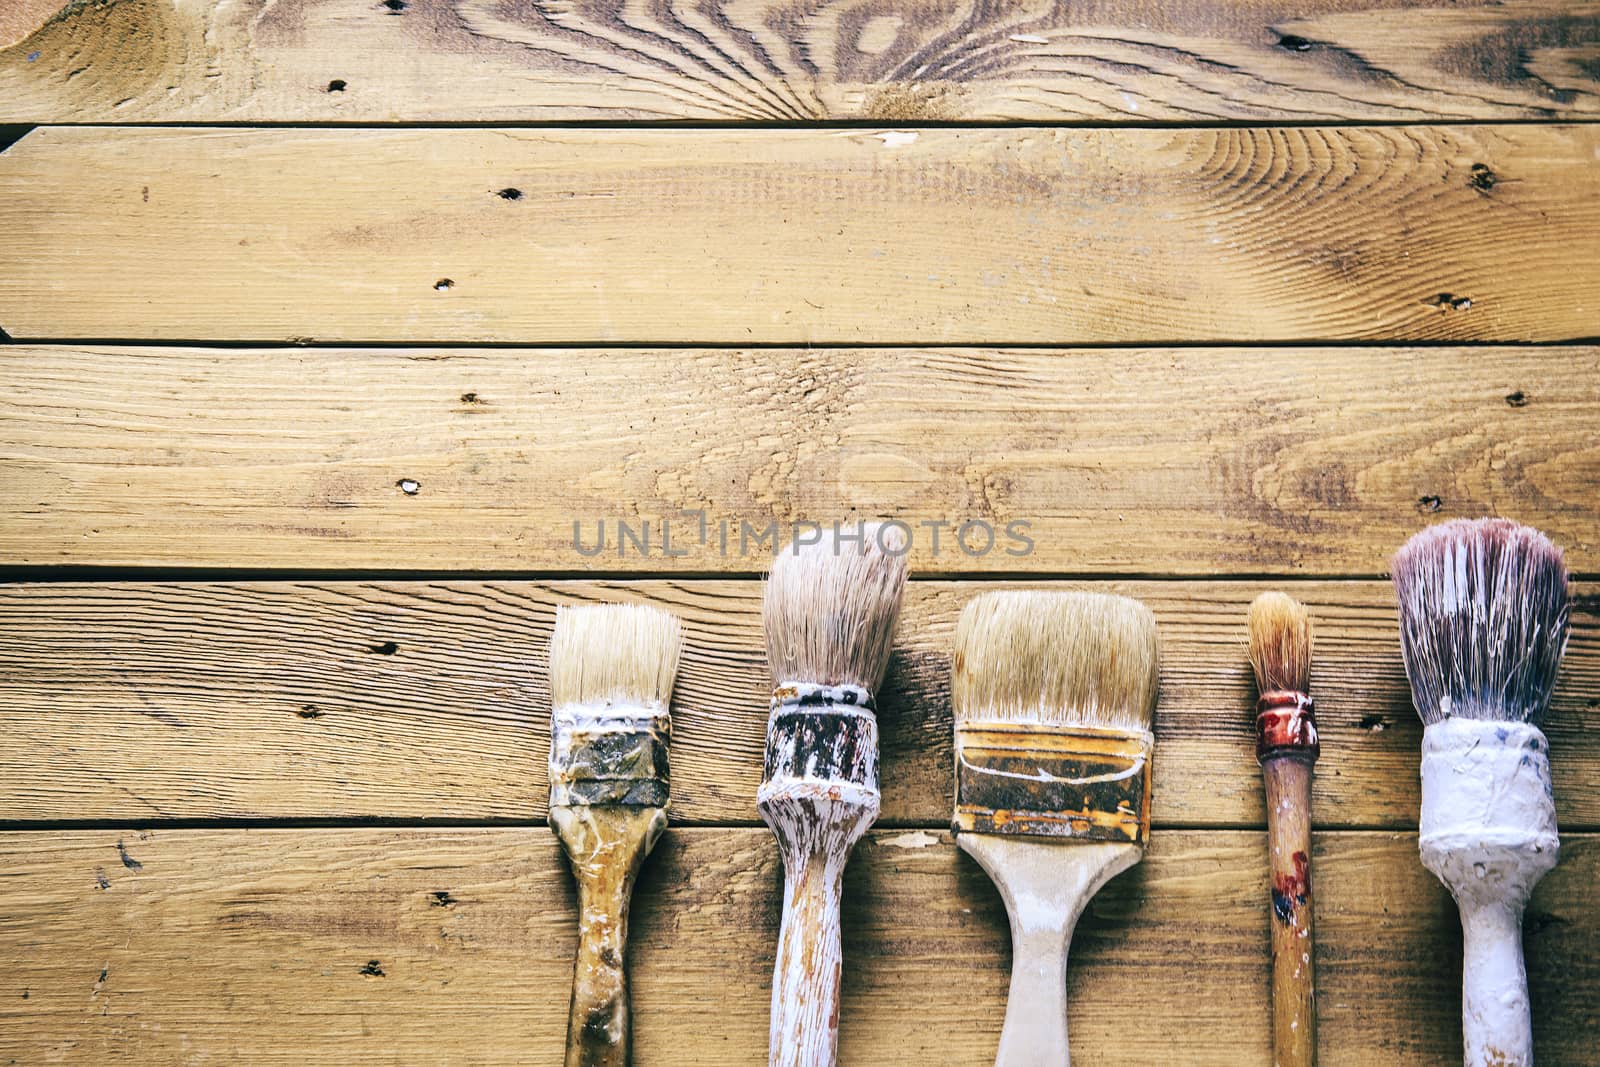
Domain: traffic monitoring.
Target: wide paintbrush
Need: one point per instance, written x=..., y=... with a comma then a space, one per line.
x=1054, y=697
x=611, y=672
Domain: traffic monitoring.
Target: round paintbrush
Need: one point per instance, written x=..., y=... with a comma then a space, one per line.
x=611, y=672
x=829, y=612
x=1286, y=746
x=1483, y=625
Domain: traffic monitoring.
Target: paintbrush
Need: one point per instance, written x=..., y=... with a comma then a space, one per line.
x=611, y=672
x=829, y=613
x=1286, y=747
x=1054, y=696
x=1483, y=625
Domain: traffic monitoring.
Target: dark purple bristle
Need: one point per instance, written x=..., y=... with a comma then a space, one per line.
x=1483, y=619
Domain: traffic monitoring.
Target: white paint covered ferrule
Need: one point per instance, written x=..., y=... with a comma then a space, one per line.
x=1488, y=831
x=1488, y=814
x=610, y=754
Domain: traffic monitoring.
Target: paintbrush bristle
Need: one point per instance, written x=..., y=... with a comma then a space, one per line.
x=619, y=654
x=1483, y=619
x=1280, y=643
x=830, y=608
x=1080, y=658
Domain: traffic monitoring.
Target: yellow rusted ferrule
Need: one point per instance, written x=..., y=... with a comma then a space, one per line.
x=1053, y=781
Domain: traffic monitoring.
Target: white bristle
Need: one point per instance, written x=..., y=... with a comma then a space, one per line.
x=830, y=608
x=618, y=654
x=1081, y=658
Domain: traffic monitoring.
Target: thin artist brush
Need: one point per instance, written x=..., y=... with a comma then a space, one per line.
x=1287, y=746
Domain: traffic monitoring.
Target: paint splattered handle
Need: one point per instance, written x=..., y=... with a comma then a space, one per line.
x=606, y=845
x=1496, y=1022
x=1287, y=775
x=815, y=835
x=1488, y=830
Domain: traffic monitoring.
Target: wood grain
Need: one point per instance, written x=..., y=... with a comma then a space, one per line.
x=138, y=703
x=784, y=236
x=734, y=60
x=454, y=947
x=1162, y=461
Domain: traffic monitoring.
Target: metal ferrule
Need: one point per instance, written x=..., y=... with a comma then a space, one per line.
x=1286, y=724
x=822, y=733
x=1053, y=781
x=609, y=754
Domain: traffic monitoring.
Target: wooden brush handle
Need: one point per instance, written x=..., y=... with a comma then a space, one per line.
x=1046, y=885
x=815, y=835
x=1488, y=830
x=1496, y=1019
x=1294, y=1010
x=606, y=845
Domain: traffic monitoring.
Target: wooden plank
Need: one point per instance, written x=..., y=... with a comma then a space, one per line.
x=1202, y=462
x=453, y=947
x=802, y=236
x=735, y=60
x=19, y=20
x=141, y=703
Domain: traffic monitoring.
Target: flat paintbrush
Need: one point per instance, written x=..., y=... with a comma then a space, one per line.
x=611, y=672
x=1054, y=696
x=829, y=613
x=1483, y=625
x=1286, y=746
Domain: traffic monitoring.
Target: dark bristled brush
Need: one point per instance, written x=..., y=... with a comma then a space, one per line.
x=1483, y=625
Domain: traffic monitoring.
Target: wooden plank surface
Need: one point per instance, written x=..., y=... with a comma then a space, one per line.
x=138, y=703
x=733, y=60
x=839, y=236
x=453, y=947
x=1163, y=461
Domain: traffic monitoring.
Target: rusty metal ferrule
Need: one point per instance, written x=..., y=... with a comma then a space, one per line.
x=1286, y=724
x=1052, y=781
x=610, y=754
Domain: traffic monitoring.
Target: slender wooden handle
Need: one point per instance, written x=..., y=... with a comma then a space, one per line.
x=1046, y=884
x=1496, y=1020
x=805, y=982
x=815, y=836
x=1294, y=1010
x=606, y=846
x=1035, y=1032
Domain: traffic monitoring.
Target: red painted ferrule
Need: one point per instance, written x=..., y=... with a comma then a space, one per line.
x=1286, y=723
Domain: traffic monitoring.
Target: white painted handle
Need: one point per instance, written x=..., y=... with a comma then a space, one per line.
x=815, y=835
x=1496, y=1021
x=1488, y=830
x=1035, y=1032
x=1046, y=885
x=805, y=984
